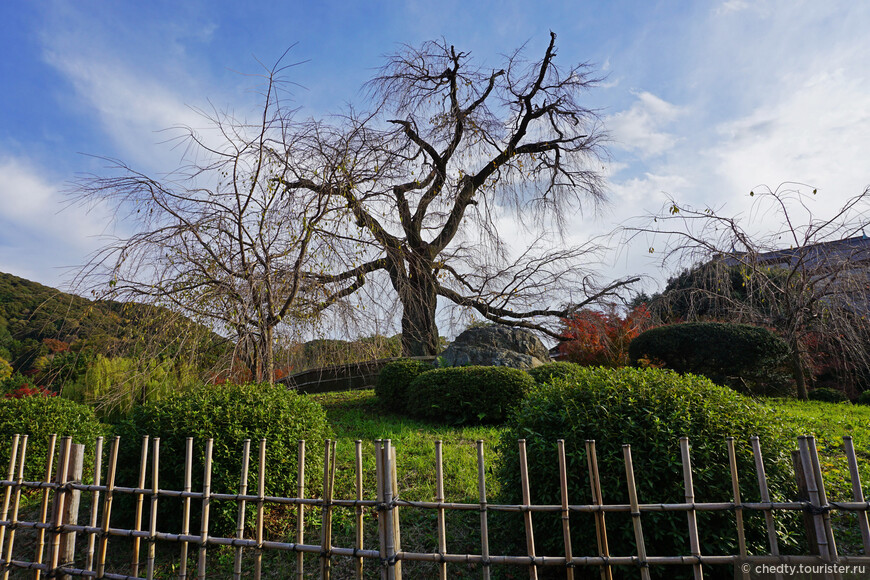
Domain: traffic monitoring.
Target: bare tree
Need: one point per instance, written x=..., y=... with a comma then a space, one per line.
x=218, y=240
x=804, y=275
x=428, y=177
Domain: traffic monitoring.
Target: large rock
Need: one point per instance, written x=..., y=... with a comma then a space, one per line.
x=496, y=346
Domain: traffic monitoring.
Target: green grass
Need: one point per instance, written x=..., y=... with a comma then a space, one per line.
x=828, y=423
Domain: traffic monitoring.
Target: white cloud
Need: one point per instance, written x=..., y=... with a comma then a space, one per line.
x=733, y=6
x=39, y=237
x=641, y=127
x=132, y=108
x=818, y=133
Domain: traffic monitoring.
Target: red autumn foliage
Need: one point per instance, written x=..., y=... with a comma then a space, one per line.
x=29, y=391
x=596, y=338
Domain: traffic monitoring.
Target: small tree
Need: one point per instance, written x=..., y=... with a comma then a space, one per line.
x=593, y=337
x=807, y=277
x=219, y=241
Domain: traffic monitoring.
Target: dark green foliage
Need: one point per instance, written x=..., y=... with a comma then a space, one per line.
x=229, y=414
x=555, y=370
x=39, y=417
x=470, y=395
x=827, y=395
x=864, y=398
x=394, y=379
x=650, y=409
x=743, y=357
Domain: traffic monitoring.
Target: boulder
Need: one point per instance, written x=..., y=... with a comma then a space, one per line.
x=496, y=346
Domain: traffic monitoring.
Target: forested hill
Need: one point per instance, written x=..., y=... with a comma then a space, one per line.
x=38, y=321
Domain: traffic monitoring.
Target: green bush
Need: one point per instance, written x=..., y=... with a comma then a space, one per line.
x=555, y=370
x=827, y=395
x=471, y=395
x=864, y=398
x=39, y=418
x=230, y=414
x=394, y=379
x=650, y=409
x=749, y=359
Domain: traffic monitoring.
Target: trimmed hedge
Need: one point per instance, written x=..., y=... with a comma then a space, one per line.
x=471, y=395
x=40, y=417
x=743, y=357
x=827, y=395
x=230, y=414
x=650, y=409
x=394, y=379
x=546, y=373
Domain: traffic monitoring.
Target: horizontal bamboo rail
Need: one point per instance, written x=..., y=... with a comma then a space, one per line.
x=389, y=556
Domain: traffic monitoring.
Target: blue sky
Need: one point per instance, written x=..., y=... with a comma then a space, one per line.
x=704, y=100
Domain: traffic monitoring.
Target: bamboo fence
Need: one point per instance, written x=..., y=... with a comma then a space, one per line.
x=61, y=547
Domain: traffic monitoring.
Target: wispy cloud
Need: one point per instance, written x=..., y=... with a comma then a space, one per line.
x=642, y=128
x=39, y=233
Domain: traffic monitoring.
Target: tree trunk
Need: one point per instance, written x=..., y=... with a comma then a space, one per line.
x=268, y=355
x=419, y=299
x=798, y=370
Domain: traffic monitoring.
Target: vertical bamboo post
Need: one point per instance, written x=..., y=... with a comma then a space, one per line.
x=813, y=493
x=185, y=515
x=240, y=518
x=439, y=497
x=137, y=523
x=738, y=501
x=598, y=500
x=261, y=494
x=358, y=563
x=16, y=501
x=527, y=513
x=152, y=521
x=694, y=542
x=70, y=515
x=484, y=524
x=58, y=507
x=107, y=507
x=382, y=511
x=387, y=469
x=206, y=506
x=566, y=527
x=325, y=569
x=43, y=509
x=7, y=493
x=635, y=513
x=397, y=535
x=765, y=495
x=300, y=510
x=823, y=498
x=95, y=500
x=804, y=495
x=857, y=492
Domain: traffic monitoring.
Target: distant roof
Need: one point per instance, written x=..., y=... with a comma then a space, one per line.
x=852, y=250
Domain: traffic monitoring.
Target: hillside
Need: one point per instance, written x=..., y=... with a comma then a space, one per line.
x=39, y=321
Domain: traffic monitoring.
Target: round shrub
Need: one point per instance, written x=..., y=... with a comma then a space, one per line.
x=827, y=395
x=864, y=398
x=555, y=370
x=39, y=418
x=743, y=357
x=230, y=414
x=470, y=395
x=394, y=379
x=650, y=409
